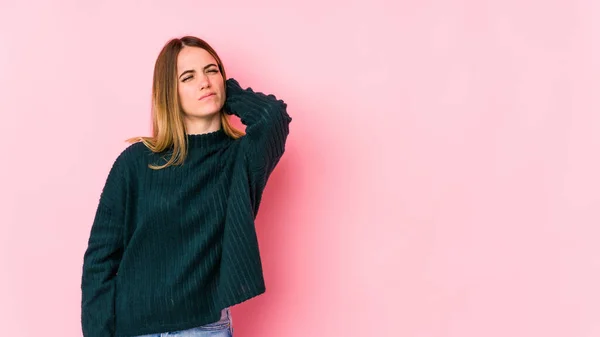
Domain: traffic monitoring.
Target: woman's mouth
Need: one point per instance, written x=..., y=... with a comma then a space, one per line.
x=206, y=96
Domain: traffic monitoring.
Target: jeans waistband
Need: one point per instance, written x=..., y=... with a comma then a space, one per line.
x=225, y=314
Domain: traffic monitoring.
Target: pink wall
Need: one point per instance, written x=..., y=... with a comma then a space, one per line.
x=441, y=177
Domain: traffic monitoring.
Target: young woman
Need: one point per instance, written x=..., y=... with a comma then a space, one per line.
x=173, y=243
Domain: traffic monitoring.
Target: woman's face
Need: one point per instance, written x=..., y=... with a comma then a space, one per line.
x=200, y=85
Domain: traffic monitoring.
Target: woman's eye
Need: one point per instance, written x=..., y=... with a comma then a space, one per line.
x=213, y=71
x=187, y=78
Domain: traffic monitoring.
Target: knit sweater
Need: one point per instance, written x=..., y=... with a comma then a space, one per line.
x=170, y=248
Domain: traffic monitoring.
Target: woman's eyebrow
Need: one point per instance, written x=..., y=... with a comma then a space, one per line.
x=187, y=71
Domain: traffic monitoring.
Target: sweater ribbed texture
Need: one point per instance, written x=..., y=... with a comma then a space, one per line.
x=170, y=248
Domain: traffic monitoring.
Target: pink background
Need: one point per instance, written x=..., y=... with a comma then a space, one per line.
x=441, y=176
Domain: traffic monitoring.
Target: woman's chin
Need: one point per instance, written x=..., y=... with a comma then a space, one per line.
x=209, y=113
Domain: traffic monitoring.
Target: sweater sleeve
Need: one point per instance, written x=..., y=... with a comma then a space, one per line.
x=102, y=257
x=267, y=126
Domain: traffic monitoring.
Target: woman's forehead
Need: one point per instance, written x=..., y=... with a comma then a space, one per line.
x=192, y=57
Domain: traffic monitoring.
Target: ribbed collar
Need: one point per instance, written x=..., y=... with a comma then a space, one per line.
x=210, y=139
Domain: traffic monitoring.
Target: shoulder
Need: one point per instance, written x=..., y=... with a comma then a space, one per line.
x=134, y=150
x=131, y=156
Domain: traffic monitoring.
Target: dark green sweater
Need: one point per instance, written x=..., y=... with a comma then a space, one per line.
x=170, y=248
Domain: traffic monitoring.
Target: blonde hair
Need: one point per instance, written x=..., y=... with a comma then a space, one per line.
x=168, y=128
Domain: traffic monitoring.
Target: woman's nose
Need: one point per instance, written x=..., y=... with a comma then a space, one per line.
x=203, y=81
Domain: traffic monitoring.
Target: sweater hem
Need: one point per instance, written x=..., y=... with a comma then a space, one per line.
x=174, y=327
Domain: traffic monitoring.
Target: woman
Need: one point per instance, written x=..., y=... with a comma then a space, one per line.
x=173, y=244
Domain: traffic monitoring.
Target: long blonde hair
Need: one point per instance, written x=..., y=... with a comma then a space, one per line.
x=168, y=128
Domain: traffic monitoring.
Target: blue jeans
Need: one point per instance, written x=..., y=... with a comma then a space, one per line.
x=220, y=328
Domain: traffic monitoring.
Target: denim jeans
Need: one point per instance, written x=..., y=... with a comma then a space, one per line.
x=221, y=328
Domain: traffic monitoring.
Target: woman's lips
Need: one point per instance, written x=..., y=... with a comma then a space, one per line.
x=206, y=96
